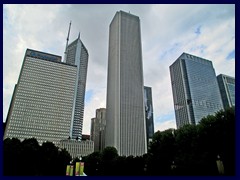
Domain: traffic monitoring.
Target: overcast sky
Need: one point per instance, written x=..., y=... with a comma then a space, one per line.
x=167, y=31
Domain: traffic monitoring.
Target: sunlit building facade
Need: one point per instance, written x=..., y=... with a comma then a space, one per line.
x=125, y=116
x=42, y=101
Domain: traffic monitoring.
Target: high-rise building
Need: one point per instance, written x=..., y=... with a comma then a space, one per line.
x=77, y=54
x=149, y=113
x=227, y=90
x=98, y=125
x=195, y=89
x=42, y=102
x=125, y=116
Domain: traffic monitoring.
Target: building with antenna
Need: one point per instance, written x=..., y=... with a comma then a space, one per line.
x=65, y=52
x=77, y=54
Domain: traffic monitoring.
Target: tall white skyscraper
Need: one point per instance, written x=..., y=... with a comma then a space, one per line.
x=195, y=89
x=77, y=54
x=125, y=118
x=42, y=102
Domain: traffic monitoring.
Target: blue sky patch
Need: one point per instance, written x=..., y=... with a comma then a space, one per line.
x=231, y=55
x=166, y=117
x=88, y=96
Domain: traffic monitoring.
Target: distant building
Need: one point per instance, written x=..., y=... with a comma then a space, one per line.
x=149, y=113
x=77, y=148
x=227, y=89
x=4, y=126
x=85, y=137
x=77, y=54
x=98, y=125
x=42, y=102
x=195, y=89
x=126, y=123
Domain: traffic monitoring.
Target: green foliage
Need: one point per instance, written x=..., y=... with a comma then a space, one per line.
x=27, y=158
x=190, y=150
x=109, y=153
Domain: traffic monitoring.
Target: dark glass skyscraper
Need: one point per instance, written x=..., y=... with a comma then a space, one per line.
x=149, y=113
x=227, y=89
x=77, y=54
x=195, y=89
x=125, y=123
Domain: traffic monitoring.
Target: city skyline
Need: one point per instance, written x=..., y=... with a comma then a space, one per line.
x=198, y=32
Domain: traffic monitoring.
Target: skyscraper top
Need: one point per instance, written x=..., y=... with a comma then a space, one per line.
x=195, y=58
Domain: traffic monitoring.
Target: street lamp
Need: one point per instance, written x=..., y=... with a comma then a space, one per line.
x=220, y=165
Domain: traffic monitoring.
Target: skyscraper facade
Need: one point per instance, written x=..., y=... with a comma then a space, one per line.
x=125, y=123
x=77, y=54
x=149, y=113
x=42, y=101
x=98, y=125
x=195, y=89
x=227, y=89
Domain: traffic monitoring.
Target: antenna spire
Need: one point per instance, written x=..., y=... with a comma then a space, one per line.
x=65, y=53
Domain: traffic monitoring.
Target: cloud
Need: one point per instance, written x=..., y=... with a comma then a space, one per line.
x=167, y=30
x=161, y=126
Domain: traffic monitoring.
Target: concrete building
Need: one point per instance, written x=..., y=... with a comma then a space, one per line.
x=195, y=89
x=77, y=148
x=125, y=116
x=149, y=113
x=77, y=54
x=98, y=125
x=42, y=102
x=227, y=89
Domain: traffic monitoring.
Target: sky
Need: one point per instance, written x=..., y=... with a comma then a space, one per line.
x=167, y=30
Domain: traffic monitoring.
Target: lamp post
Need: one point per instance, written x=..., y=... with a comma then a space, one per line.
x=220, y=165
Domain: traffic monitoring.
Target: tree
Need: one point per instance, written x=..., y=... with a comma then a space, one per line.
x=12, y=150
x=109, y=156
x=29, y=159
x=161, y=153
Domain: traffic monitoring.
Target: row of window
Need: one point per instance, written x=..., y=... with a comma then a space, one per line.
x=47, y=64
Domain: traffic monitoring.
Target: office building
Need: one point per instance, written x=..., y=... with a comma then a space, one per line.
x=149, y=113
x=227, y=89
x=125, y=115
x=77, y=54
x=98, y=125
x=195, y=89
x=42, y=102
